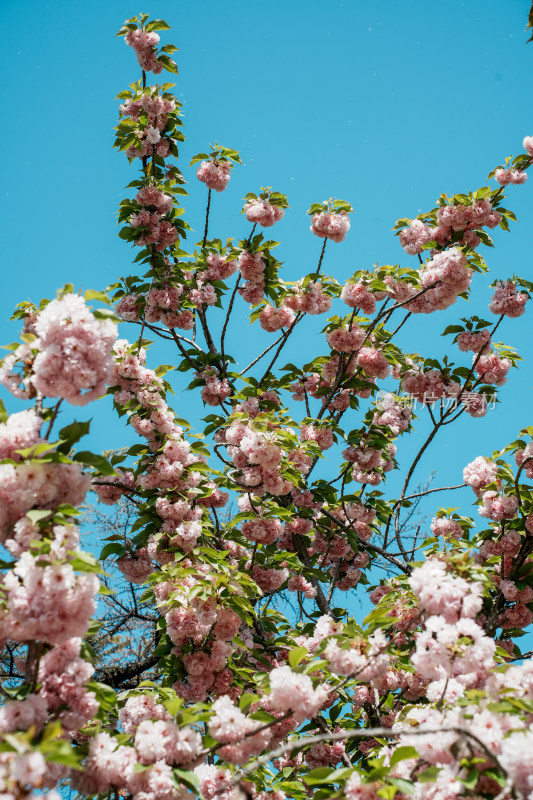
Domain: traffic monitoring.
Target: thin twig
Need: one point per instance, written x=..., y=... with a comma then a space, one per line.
x=252, y=363
x=207, y=217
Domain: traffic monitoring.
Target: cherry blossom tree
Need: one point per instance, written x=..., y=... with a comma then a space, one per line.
x=245, y=672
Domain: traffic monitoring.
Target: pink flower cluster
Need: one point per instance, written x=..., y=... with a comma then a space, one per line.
x=451, y=218
x=446, y=527
x=20, y=715
x=252, y=268
x=392, y=414
x=215, y=174
x=524, y=455
x=73, y=359
x=263, y=213
x=444, y=278
x=273, y=319
x=62, y=675
x=507, y=300
x=294, y=692
x=364, y=660
x=137, y=565
x=33, y=485
x=299, y=584
x=346, y=339
x=415, y=237
x=369, y=463
x=167, y=471
x=374, y=362
x=156, y=230
x=144, y=45
x=507, y=176
x=230, y=726
x=153, y=105
x=515, y=758
x=310, y=299
x=492, y=369
x=356, y=295
x=458, y=650
x=20, y=431
x=214, y=782
x=162, y=740
x=158, y=746
x=156, y=109
x=163, y=304
x=498, y=507
x=315, y=382
x=204, y=623
x=139, y=708
x=111, y=494
x=474, y=341
x=323, y=436
x=270, y=579
x=48, y=602
x=506, y=545
x=479, y=474
x=215, y=391
x=528, y=145
x=22, y=770
x=263, y=530
x=440, y=593
x=181, y=521
x=469, y=217
x=427, y=387
x=219, y=268
x=324, y=754
x=257, y=457
x=331, y=226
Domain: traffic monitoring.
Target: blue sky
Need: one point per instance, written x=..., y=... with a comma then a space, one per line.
x=385, y=104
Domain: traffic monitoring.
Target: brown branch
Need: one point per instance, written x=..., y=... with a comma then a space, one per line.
x=252, y=363
x=225, y=326
x=116, y=676
x=385, y=733
x=207, y=217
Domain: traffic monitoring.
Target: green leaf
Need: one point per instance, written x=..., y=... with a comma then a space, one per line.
x=163, y=369
x=105, y=695
x=404, y=786
x=190, y=779
x=60, y=752
x=387, y=792
x=72, y=433
x=319, y=775
x=37, y=514
x=93, y=294
x=3, y=413
x=168, y=63
x=157, y=25
x=296, y=655
x=401, y=754
x=247, y=699
x=106, y=313
x=173, y=705
x=85, y=562
x=199, y=157
x=428, y=775
x=93, y=460
x=113, y=548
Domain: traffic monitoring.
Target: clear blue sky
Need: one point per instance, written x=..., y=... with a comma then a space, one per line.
x=386, y=104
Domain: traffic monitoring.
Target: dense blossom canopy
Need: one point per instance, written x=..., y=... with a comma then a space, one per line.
x=429, y=696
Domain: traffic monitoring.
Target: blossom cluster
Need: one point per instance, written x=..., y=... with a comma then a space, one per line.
x=433, y=670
